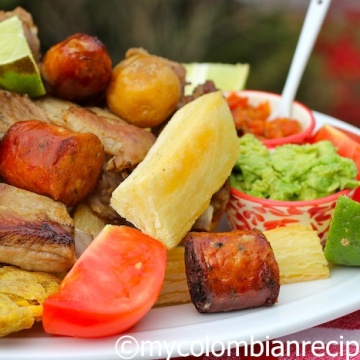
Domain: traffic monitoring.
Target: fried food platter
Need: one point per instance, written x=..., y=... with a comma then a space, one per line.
x=182, y=329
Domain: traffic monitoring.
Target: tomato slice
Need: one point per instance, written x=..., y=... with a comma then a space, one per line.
x=113, y=284
x=350, y=134
x=346, y=145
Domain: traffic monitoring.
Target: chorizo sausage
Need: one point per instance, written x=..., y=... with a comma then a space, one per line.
x=231, y=270
x=51, y=160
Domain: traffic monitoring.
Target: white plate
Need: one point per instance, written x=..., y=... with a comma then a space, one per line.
x=182, y=329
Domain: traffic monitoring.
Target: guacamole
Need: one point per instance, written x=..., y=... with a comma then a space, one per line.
x=291, y=172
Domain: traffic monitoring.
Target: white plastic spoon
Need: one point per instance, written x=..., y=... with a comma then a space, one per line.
x=313, y=20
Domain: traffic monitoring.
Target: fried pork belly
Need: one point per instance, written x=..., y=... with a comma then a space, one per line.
x=200, y=90
x=30, y=29
x=22, y=294
x=36, y=232
x=127, y=143
x=15, y=107
x=230, y=271
x=99, y=199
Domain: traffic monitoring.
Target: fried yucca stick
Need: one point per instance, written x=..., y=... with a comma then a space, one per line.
x=86, y=220
x=190, y=161
x=175, y=288
x=299, y=253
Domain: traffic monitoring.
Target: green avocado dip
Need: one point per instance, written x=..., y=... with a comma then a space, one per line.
x=291, y=172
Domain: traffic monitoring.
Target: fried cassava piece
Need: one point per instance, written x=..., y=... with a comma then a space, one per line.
x=22, y=294
x=167, y=191
x=299, y=253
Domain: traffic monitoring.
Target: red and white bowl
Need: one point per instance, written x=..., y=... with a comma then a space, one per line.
x=248, y=212
x=299, y=111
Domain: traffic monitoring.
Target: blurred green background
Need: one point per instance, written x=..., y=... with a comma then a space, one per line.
x=262, y=33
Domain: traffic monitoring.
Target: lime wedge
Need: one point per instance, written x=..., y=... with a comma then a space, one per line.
x=343, y=242
x=226, y=77
x=18, y=70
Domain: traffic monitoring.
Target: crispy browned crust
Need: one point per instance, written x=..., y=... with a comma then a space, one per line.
x=15, y=107
x=231, y=271
x=51, y=160
x=36, y=232
x=127, y=143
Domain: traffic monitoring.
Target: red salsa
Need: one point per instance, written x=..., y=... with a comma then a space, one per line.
x=253, y=119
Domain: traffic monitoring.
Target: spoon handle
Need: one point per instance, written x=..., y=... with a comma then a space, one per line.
x=313, y=20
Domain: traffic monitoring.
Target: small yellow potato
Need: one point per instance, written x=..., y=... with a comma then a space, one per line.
x=144, y=90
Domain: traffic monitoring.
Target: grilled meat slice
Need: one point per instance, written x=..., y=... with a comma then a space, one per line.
x=99, y=199
x=127, y=143
x=130, y=143
x=36, y=232
x=219, y=202
x=202, y=89
x=15, y=107
x=230, y=271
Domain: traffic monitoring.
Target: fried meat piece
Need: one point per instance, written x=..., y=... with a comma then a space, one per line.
x=127, y=143
x=51, y=160
x=219, y=202
x=22, y=294
x=130, y=143
x=15, y=107
x=206, y=88
x=36, y=232
x=230, y=271
x=99, y=199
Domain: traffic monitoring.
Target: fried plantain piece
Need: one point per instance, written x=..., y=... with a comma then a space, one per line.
x=22, y=294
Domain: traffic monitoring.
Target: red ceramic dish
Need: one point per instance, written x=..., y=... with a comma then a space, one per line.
x=300, y=112
x=248, y=212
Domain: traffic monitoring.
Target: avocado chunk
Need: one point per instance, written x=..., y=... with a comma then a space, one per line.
x=343, y=242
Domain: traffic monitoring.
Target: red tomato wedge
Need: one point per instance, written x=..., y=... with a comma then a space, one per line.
x=114, y=283
x=350, y=134
x=347, y=144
